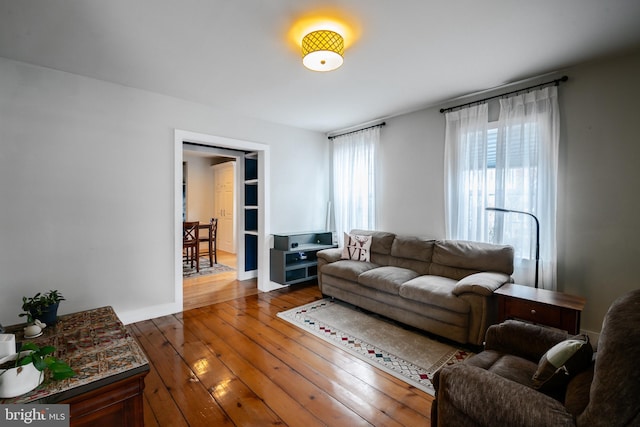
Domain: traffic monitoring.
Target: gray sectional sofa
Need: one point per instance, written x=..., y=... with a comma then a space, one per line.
x=441, y=286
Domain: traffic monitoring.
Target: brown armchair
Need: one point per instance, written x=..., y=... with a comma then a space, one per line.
x=495, y=387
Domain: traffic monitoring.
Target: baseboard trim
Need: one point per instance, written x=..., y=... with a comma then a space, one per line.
x=146, y=313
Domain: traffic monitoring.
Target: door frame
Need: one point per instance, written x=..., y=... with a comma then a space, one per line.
x=262, y=274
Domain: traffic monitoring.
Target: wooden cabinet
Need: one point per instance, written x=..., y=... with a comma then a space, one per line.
x=110, y=368
x=116, y=404
x=540, y=306
x=293, y=256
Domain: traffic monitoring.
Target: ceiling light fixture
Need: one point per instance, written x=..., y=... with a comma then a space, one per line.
x=322, y=50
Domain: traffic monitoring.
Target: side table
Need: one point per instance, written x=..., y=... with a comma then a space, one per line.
x=110, y=368
x=555, y=309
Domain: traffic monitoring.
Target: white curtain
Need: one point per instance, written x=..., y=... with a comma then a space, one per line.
x=354, y=158
x=466, y=173
x=520, y=157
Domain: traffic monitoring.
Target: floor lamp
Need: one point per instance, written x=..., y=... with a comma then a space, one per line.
x=537, y=234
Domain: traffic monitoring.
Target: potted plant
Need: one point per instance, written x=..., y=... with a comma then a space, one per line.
x=23, y=371
x=42, y=307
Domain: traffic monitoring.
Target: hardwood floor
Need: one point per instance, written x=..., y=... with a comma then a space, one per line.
x=234, y=363
x=200, y=291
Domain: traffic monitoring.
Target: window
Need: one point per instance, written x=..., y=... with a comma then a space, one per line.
x=510, y=164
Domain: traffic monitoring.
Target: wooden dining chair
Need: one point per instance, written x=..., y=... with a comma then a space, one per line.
x=191, y=243
x=213, y=234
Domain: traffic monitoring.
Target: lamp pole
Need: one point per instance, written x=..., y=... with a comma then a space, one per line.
x=537, y=234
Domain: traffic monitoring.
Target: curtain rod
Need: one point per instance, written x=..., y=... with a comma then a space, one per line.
x=555, y=82
x=354, y=131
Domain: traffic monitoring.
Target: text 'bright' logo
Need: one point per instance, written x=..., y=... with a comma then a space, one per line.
x=38, y=415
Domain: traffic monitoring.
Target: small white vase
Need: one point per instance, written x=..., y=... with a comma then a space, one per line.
x=15, y=381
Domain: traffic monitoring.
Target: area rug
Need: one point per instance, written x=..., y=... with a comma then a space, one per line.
x=205, y=268
x=404, y=352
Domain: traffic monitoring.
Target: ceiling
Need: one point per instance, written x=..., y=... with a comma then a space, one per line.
x=239, y=56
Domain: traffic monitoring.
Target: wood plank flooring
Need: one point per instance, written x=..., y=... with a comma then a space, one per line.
x=234, y=363
x=199, y=291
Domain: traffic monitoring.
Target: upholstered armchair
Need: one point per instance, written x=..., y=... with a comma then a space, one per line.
x=496, y=386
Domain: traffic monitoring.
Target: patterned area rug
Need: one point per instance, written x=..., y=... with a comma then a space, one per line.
x=205, y=268
x=401, y=351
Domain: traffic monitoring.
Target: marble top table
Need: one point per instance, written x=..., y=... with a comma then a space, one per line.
x=95, y=344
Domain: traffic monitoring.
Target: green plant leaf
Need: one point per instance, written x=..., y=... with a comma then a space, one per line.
x=25, y=360
x=48, y=349
x=29, y=346
x=60, y=370
x=38, y=362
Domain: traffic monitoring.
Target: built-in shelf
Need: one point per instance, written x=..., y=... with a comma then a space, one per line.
x=251, y=183
x=251, y=194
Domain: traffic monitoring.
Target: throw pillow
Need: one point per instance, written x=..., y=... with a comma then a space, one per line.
x=356, y=247
x=561, y=362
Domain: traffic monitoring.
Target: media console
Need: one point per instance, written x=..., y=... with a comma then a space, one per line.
x=293, y=256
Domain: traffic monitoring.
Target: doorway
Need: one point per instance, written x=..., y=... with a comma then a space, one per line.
x=262, y=152
x=210, y=191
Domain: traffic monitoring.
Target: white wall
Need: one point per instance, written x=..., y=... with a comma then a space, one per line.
x=599, y=206
x=598, y=202
x=411, y=197
x=200, y=188
x=87, y=183
x=302, y=175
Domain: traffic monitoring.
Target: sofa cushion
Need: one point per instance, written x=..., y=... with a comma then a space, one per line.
x=381, y=241
x=434, y=290
x=561, y=362
x=451, y=258
x=410, y=247
x=413, y=253
x=357, y=247
x=508, y=366
x=386, y=279
x=348, y=269
x=576, y=397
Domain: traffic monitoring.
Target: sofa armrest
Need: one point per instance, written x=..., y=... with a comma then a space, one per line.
x=330, y=255
x=483, y=283
x=468, y=395
x=522, y=339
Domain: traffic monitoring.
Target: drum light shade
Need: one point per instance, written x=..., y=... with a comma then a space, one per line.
x=322, y=50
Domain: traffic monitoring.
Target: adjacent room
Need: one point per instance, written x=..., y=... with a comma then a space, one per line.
x=396, y=204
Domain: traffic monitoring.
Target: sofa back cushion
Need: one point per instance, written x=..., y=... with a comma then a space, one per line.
x=381, y=242
x=412, y=252
x=457, y=259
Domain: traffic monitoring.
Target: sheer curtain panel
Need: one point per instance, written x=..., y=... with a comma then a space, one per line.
x=354, y=164
x=510, y=164
x=528, y=138
x=466, y=173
